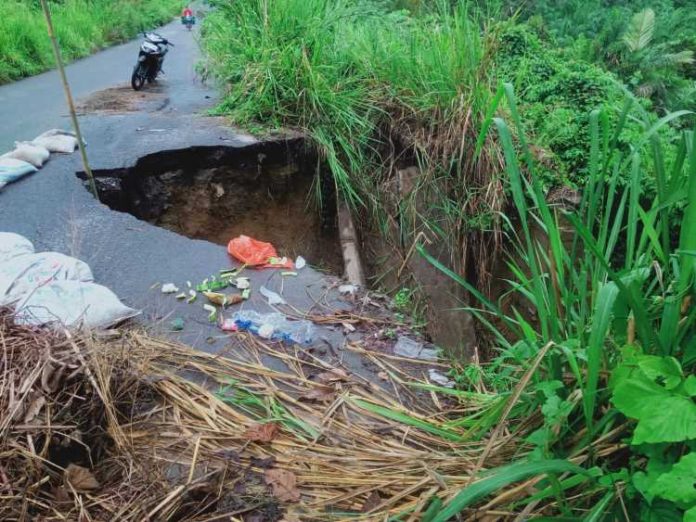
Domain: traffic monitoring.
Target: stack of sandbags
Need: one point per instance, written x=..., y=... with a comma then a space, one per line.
x=28, y=157
x=52, y=288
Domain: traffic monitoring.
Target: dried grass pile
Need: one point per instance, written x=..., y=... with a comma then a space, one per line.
x=139, y=428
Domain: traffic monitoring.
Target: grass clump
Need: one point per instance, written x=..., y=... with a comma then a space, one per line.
x=82, y=27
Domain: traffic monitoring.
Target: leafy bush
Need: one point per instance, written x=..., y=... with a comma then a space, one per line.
x=82, y=27
x=610, y=353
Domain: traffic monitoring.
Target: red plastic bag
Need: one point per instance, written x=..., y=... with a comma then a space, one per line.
x=253, y=252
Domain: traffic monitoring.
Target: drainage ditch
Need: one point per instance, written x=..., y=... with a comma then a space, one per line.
x=267, y=191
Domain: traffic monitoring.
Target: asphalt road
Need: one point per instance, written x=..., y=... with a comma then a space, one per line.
x=31, y=106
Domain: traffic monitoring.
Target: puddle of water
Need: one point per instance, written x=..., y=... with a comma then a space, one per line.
x=217, y=193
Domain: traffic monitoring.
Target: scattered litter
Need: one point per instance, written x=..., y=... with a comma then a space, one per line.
x=212, y=312
x=177, y=324
x=242, y=283
x=188, y=284
x=273, y=298
x=181, y=296
x=406, y=347
x=222, y=299
x=348, y=289
x=253, y=252
x=441, y=379
x=169, y=288
x=211, y=284
x=229, y=325
x=288, y=274
x=192, y=296
x=300, y=263
x=300, y=332
x=266, y=331
x=348, y=328
x=246, y=293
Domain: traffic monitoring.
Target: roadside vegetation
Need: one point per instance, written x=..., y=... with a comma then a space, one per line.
x=593, y=363
x=82, y=27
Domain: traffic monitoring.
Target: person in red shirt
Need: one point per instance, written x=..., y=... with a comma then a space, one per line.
x=187, y=13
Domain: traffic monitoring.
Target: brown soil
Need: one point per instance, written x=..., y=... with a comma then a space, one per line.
x=122, y=99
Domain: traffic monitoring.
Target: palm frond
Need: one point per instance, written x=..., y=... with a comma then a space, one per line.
x=640, y=30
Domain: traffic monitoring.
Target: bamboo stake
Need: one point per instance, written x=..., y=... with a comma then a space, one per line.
x=68, y=96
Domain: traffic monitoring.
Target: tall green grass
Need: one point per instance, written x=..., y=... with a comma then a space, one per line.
x=82, y=27
x=613, y=295
x=373, y=89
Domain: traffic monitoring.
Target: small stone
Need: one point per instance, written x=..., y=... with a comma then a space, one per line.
x=177, y=324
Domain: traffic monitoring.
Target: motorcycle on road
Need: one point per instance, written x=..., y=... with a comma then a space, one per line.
x=150, y=59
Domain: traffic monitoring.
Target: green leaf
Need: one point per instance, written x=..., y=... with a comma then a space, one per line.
x=501, y=477
x=663, y=415
x=640, y=31
x=690, y=515
x=663, y=370
x=690, y=386
x=679, y=485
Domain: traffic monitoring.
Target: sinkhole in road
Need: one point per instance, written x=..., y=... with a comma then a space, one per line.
x=269, y=191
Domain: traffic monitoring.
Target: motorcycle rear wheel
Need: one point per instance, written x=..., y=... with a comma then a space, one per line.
x=138, y=78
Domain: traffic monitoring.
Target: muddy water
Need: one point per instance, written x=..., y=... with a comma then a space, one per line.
x=265, y=192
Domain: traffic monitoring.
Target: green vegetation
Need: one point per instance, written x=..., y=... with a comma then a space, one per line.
x=82, y=27
x=594, y=326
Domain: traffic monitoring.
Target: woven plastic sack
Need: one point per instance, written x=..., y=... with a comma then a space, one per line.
x=74, y=305
x=33, y=154
x=13, y=245
x=22, y=275
x=58, y=143
x=253, y=252
x=13, y=169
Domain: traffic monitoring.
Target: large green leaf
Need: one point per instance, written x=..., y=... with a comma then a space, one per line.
x=679, y=485
x=690, y=515
x=640, y=30
x=663, y=415
x=500, y=478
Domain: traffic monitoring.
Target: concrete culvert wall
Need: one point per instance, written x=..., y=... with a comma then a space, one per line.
x=269, y=191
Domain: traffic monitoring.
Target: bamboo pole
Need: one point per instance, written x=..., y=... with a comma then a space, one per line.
x=68, y=97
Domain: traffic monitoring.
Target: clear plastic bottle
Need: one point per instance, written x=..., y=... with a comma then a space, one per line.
x=299, y=332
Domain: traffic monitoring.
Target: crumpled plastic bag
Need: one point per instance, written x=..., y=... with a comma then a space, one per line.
x=33, y=154
x=74, y=305
x=22, y=274
x=253, y=252
x=13, y=245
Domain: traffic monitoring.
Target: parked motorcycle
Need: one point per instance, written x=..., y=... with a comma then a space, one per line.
x=188, y=21
x=150, y=59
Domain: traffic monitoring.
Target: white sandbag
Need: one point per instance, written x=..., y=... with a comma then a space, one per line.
x=73, y=304
x=58, y=143
x=33, y=154
x=56, y=132
x=13, y=245
x=13, y=169
x=23, y=274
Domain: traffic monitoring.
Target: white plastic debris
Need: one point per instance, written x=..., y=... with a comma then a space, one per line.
x=242, y=283
x=406, y=347
x=439, y=378
x=169, y=288
x=273, y=298
x=348, y=289
x=266, y=331
x=300, y=263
